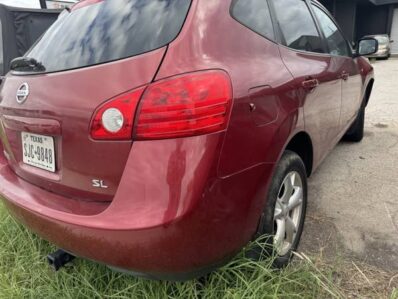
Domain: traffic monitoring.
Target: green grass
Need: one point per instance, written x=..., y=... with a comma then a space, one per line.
x=25, y=274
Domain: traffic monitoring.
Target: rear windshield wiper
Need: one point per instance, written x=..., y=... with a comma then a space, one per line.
x=26, y=64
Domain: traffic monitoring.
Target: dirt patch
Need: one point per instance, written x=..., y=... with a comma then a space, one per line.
x=381, y=126
x=381, y=254
x=359, y=280
x=320, y=236
x=357, y=275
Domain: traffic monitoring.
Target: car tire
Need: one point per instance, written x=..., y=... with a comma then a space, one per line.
x=286, y=205
x=356, y=132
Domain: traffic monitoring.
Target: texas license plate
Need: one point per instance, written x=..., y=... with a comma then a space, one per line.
x=38, y=151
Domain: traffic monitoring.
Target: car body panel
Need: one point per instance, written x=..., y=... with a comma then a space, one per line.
x=61, y=105
x=266, y=82
x=178, y=205
x=351, y=90
x=321, y=105
x=118, y=239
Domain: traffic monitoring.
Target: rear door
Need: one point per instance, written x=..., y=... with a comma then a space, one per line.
x=346, y=66
x=304, y=53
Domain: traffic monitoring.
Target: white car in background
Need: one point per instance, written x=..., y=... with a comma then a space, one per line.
x=384, y=50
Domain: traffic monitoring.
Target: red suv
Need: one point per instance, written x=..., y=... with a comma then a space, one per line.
x=161, y=136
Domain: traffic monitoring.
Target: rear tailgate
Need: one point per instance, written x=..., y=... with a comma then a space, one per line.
x=61, y=105
x=93, y=53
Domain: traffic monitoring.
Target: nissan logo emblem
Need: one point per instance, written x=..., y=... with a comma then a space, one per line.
x=22, y=93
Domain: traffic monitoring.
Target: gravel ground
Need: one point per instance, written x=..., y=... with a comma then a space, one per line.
x=353, y=201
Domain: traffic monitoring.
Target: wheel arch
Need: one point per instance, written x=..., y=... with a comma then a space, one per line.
x=301, y=144
x=368, y=91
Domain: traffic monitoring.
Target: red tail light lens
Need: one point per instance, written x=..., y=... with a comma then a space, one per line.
x=114, y=119
x=186, y=105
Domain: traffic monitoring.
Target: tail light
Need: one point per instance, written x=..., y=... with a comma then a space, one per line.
x=114, y=120
x=186, y=105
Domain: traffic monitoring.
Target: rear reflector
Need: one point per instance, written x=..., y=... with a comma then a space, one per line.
x=187, y=105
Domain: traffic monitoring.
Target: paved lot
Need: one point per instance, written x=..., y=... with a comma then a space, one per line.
x=353, y=198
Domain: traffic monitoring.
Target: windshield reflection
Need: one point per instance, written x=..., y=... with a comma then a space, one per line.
x=108, y=31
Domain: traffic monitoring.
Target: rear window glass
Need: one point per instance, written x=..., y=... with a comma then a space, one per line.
x=297, y=26
x=109, y=30
x=255, y=15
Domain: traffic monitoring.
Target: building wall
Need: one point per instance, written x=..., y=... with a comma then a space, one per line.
x=394, y=31
x=372, y=19
x=346, y=14
x=360, y=18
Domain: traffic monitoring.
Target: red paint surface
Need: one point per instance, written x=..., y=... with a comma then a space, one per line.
x=173, y=205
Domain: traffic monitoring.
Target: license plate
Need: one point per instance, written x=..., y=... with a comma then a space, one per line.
x=38, y=151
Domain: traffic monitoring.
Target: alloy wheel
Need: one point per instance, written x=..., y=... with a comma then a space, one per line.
x=288, y=213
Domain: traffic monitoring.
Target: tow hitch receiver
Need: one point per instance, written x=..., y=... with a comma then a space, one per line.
x=59, y=259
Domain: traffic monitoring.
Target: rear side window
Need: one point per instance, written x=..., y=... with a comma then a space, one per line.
x=108, y=31
x=335, y=40
x=255, y=15
x=297, y=26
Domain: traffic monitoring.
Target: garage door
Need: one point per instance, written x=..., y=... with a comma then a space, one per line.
x=394, y=32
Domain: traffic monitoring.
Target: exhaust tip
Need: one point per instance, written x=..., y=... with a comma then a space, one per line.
x=59, y=259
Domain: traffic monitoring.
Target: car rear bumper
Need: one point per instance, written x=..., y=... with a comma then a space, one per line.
x=157, y=224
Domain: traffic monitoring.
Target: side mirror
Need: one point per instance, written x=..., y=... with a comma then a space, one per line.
x=367, y=46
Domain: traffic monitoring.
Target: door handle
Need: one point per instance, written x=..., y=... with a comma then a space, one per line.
x=310, y=84
x=344, y=75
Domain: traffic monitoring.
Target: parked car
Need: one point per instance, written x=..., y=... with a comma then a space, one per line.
x=384, y=50
x=19, y=29
x=160, y=137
